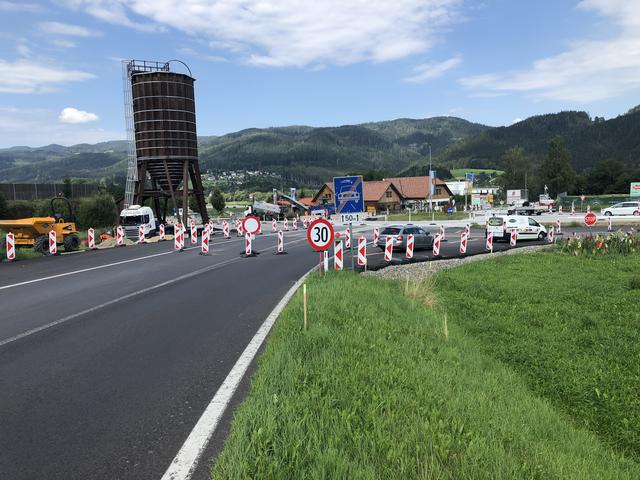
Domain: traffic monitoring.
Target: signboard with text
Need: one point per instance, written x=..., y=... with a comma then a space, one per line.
x=634, y=190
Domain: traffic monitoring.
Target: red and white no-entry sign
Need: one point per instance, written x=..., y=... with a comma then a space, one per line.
x=251, y=225
x=590, y=219
x=320, y=234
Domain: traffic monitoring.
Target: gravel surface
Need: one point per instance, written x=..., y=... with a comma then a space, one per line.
x=421, y=270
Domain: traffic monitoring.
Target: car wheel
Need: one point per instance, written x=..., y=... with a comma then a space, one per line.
x=607, y=214
x=636, y=213
x=541, y=235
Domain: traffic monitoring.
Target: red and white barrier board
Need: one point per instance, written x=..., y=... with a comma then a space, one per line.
x=436, y=245
x=410, y=242
x=338, y=261
x=514, y=237
x=280, y=241
x=162, y=232
x=442, y=232
x=247, y=245
x=362, y=251
x=141, y=235
x=178, y=237
x=274, y=225
x=558, y=227
x=347, y=238
x=53, y=244
x=193, y=234
x=286, y=224
x=609, y=225
x=463, y=243
x=295, y=224
x=225, y=229
x=120, y=236
x=550, y=235
x=467, y=229
x=376, y=236
x=388, y=248
x=204, y=245
x=239, y=228
x=91, y=239
x=11, y=246
x=489, y=245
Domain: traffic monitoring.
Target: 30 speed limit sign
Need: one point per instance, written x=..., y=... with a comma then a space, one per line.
x=320, y=234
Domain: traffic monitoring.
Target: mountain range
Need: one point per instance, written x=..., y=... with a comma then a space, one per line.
x=310, y=155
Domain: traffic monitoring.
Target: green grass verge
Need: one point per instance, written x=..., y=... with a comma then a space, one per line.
x=382, y=386
x=21, y=253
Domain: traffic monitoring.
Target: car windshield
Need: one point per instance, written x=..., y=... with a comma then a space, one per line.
x=130, y=220
x=390, y=231
x=495, y=221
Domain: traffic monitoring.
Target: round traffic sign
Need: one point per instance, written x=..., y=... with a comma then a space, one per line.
x=320, y=234
x=583, y=197
x=590, y=219
x=251, y=224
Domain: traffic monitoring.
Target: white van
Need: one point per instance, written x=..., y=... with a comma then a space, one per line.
x=527, y=228
x=131, y=218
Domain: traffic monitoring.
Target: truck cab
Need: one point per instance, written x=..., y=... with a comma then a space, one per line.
x=133, y=217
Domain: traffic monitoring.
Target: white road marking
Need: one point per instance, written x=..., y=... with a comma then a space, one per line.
x=98, y=267
x=115, y=300
x=186, y=461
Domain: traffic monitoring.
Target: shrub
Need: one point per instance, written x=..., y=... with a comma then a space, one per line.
x=634, y=283
x=98, y=211
x=619, y=243
x=3, y=206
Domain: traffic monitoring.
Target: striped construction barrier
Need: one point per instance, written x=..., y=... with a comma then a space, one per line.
x=248, y=251
x=295, y=224
x=609, y=225
x=91, y=239
x=225, y=229
x=338, y=258
x=436, y=245
x=362, y=251
x=442, y=232
x=463, y=243
x=53, y=244
x=558, y=227
x=11, y=246
x=141, y=234
x=274, y=225
x=193, y=234
x=347, y=238
x=161, y=233
x=489, y=244
x=410, y=242
x=280, y=247
x=550, y=235
x=204, y=244
x=467, y=229
x=120, y=236
x=178, y=238
x=513, y=240
x=376, y=236
x=388, y=248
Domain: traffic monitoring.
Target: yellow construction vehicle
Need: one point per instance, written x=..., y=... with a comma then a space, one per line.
x=34, y=232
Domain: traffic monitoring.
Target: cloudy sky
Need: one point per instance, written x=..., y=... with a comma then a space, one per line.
x=261, y=63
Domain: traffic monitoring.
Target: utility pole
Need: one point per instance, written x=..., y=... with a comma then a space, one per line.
x=430, y=186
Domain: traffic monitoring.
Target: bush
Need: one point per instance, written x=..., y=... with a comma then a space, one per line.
x=99, y=211
x=619, y=243
x=3, y=206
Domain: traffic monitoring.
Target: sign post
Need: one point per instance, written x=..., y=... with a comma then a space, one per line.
x=590, y=220
x=349, y=202
x=320, y=236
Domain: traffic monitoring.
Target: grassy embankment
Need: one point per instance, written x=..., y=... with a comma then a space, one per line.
x=521, y=367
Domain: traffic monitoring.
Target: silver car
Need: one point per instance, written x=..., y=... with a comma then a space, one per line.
x=421, y=238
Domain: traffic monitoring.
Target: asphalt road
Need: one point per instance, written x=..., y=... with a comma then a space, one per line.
x=108, y=358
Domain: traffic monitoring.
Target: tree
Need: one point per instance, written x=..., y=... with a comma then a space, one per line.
x=98, y=211
x=3, y=206
x=67, y=190
x=556, y=171
x=216, y=199
x=517, y=170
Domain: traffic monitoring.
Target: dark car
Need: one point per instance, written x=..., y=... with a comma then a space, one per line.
x=421, y=238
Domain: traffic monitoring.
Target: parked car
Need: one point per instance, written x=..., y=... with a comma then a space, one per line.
x=623, y=208
x=527, y=228
x=421, y=238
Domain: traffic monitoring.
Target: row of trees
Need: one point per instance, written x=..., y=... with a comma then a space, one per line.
x=556, y=172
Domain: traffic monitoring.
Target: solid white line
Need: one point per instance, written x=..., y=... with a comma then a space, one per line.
x=185, y=462
x=75, y=272
x=114, y=301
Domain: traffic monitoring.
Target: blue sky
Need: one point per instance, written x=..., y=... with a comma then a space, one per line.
x=261, y=63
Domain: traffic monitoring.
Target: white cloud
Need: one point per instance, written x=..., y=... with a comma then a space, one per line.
x=428, y=71
x=588, y=71
x=188, y=51
x=6, y=6
x=516, y=120
x=25, y=76
x=38, y=126
x=58, y=42
x=59, y=28
x=293, y=32
x=73, y=115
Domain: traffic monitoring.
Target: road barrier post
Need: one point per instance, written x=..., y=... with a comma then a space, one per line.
x=376, y=236
x=463, y=243
x=304, y=301
x=609, y=225
x=11, y=246
x=558, y=227
x=141, y=235
x=204, y=246
x=286, y=224
x=388, y=248
x=193, y=234
x=347, y=238
x=91, y=239
x=295, y=224
x=274, y=225
x=442, y=232
x=280, y=249
x=338, y=260
x=550, y=235
x=53, y=244
x=225, y=229
x=120, y=236
x=467, y=229
x=436, y=245
x=247, y=245
x=489, y=245
x=410, y=240
x=514, y=237
x=161, y=230
x=362, y=252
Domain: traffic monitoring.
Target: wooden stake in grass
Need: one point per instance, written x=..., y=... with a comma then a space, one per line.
x=445, y=328
x=304, y=301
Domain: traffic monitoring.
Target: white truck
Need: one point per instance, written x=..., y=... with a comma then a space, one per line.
x=133, y=217
x=527, y=228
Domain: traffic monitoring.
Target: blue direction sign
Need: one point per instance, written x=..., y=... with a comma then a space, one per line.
x=349, y=194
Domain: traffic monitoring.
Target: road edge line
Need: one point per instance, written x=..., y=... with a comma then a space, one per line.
x=185, y=462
